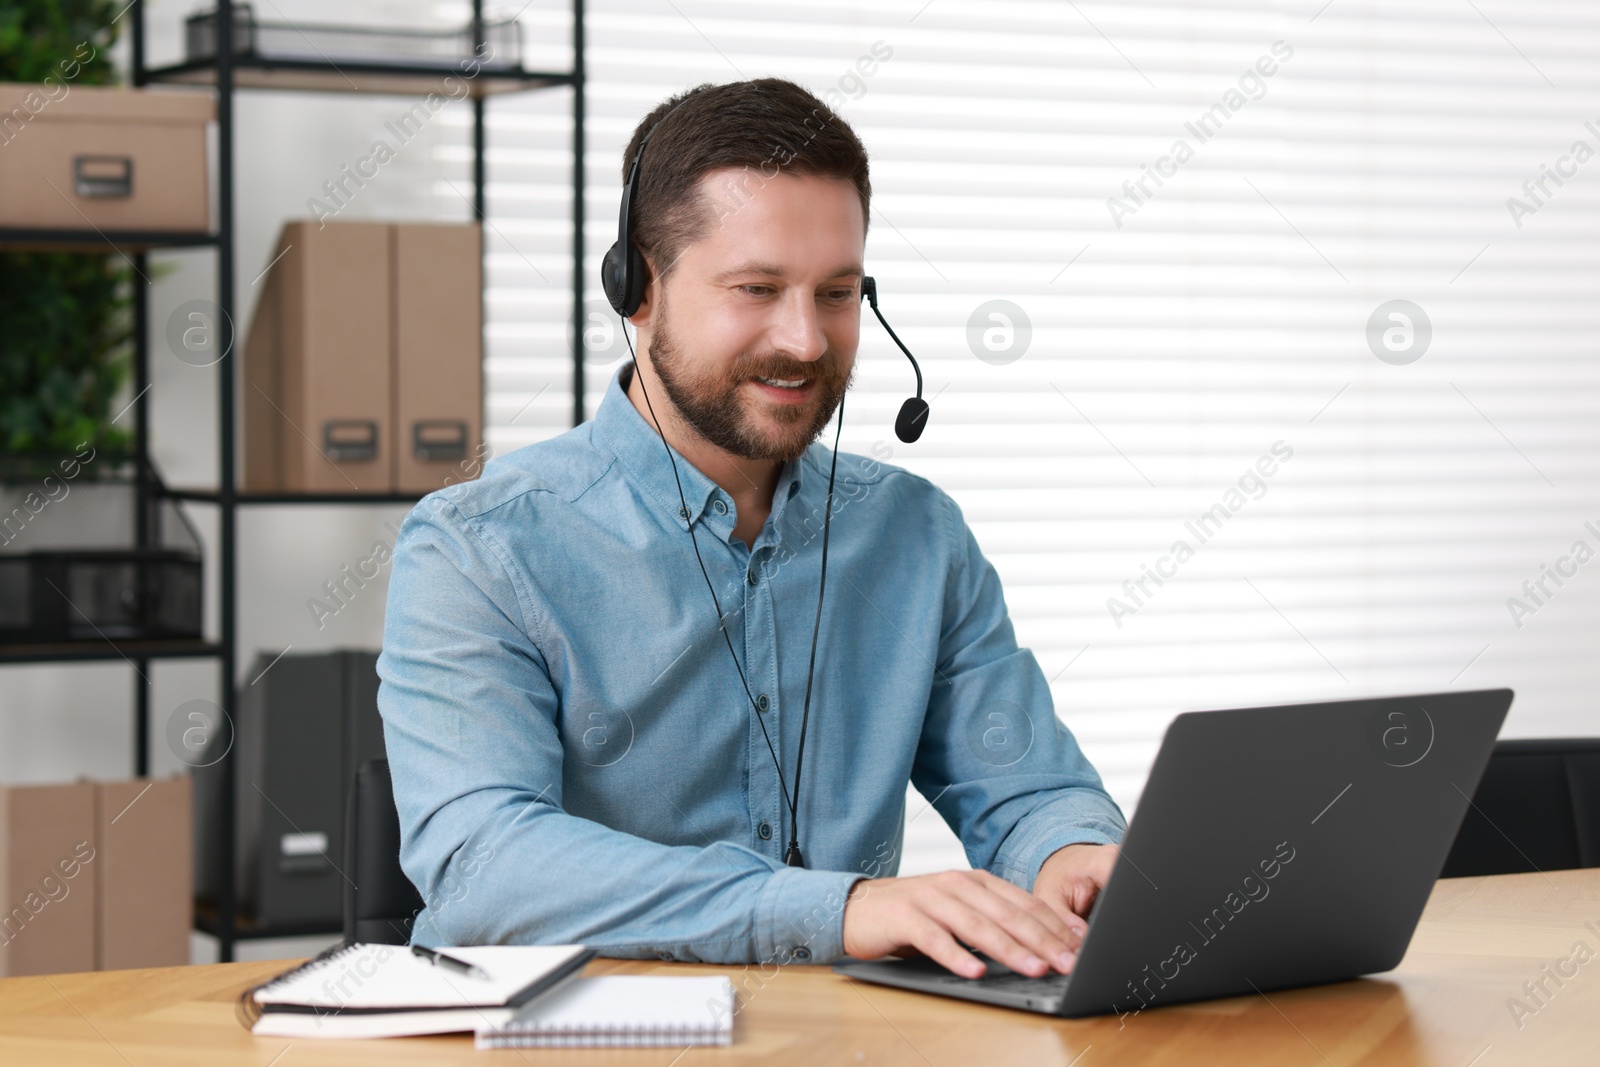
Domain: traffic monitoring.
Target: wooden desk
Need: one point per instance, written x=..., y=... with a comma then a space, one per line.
x=1447, y=1004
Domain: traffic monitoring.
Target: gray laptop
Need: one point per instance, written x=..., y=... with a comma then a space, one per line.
x=1272, y=847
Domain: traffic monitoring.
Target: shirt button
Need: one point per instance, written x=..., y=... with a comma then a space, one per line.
x=764, y=831
x=762, y=703
x=721, y=508
x=802, y=953
x=752, y=576
x=683, y=513
x=664, y=955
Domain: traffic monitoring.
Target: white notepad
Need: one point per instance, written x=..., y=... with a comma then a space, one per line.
x=366, y=990
x=621, y=1010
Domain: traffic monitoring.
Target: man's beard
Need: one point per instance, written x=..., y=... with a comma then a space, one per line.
x=712, y=407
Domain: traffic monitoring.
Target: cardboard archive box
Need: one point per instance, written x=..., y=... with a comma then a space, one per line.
x=144, y=890
x=437, y=298
x=95, y=875
x=363, y=367
x=316, y=383
x=47, y=878
x=81, y=157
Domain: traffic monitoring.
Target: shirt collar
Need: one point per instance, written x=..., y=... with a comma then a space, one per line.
x=639, y=448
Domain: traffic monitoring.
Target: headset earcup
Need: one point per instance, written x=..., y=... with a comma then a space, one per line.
x=611, y=280
x=624, y=289
x=638, y=278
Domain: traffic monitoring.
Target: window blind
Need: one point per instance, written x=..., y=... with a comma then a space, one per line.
x=1260, y=337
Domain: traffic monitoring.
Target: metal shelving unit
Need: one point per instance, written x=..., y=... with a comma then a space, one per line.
x=229, y=73
x=91, y=651
x=98, y=240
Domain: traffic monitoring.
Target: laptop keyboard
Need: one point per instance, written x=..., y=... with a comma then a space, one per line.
x=1000, y=977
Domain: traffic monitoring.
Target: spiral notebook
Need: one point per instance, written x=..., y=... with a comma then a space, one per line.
x=367, y=990
x=621, y=1010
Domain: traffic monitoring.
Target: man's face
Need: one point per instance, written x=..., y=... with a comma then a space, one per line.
x=756, y=343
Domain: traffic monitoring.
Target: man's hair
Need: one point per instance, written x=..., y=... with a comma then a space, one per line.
x=765, y=126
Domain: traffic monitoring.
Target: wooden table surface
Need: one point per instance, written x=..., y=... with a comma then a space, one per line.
x=1450, y=1003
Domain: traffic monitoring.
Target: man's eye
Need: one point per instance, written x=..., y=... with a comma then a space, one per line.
x=841, y=294
x=757, y=290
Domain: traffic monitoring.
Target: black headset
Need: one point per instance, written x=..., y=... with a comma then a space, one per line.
x=624, y=276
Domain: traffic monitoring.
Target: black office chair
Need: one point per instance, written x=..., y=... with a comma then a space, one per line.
x=379, y=900
x=1537, y=808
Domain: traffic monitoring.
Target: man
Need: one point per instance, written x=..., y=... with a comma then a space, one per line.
x=577, y=757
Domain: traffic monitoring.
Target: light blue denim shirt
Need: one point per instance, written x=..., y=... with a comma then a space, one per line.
x=575, y=760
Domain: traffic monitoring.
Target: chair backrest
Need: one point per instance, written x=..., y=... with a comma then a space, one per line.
x=1536, y=808
x=379, y=900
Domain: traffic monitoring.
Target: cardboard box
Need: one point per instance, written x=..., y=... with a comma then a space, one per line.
x=364, y=361
x=47, y=878
x=144, y=858
x=317, y=389
x=438, y=355
x=81, y=157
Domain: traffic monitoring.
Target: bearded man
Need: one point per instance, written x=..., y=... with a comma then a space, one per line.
x=586, y=747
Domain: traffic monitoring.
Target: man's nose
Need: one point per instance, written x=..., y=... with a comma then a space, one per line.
x=798, y=330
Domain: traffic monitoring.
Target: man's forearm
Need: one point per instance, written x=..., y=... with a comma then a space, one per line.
x=555, y=878
x=470, y=723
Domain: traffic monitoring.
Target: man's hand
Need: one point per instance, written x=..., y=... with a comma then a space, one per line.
x=1071, y=878
x=935, y=913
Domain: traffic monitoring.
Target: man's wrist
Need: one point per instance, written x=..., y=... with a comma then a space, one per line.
x=1020, y=863
x=1064, y=853
x=801, y=915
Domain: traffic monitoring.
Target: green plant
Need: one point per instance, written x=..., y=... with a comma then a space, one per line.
x=65, y=318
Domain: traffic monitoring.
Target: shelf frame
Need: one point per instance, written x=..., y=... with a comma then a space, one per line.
x=353, y=76
x=244, y=498
x=246, y=929
x=132, y=651
x=229, y=73
x=22, y=238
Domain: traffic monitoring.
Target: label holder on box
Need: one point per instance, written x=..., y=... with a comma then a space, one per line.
x=350, y=440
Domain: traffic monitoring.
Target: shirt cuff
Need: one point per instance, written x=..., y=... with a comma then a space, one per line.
x=800, y=915
x=1043, y=832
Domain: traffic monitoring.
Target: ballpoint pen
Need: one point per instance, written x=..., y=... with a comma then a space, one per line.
x=439, y=959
